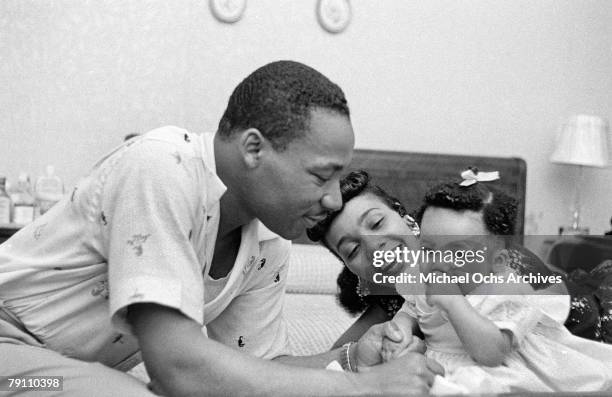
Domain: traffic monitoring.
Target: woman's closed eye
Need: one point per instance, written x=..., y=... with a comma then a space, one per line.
x=353, y=250
x=377, y=223
x=321, y=180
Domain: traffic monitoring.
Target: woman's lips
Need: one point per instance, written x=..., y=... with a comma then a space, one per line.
x=392, y=267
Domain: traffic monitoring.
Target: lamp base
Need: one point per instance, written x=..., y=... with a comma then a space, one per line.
x=573, y=231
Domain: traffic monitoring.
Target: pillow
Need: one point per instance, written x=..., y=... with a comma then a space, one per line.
x=312, y=270
x=314, y=322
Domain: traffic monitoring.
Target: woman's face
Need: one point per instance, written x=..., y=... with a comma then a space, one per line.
x=367, y=224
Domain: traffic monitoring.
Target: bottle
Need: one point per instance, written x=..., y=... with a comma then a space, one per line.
x=49, y=189
x=5, y=203
x=23, y=201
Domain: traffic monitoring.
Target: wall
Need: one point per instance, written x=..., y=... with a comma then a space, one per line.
x=483, y=77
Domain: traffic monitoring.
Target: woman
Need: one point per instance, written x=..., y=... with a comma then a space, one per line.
x=448, y=209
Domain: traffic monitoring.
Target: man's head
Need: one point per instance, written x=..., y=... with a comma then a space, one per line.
x=283, y=142
x=277, y=99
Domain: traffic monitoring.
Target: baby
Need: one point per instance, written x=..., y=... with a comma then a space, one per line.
x=495, y=336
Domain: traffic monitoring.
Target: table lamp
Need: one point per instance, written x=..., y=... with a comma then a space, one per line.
x=583, y=141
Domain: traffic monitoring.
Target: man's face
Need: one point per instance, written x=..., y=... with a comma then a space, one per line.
x=295, y=188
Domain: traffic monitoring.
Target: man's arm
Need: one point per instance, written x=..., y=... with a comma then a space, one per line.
x=184, y=362
x=315, y=361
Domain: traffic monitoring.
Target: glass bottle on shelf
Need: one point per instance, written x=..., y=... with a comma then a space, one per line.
x=23, y=201
x=49, y=189
x=5, y=203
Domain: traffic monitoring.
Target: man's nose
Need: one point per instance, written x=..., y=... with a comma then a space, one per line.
x=332, y=198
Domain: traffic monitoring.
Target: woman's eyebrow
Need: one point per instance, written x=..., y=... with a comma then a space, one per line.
x=365, y=213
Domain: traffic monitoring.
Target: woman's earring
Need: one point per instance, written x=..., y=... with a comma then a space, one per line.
x=413, y=225
x=362, y=288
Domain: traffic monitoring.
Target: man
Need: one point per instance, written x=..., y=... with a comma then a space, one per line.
x=163, y=237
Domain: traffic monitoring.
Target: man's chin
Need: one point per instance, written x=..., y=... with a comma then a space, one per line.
x=292, y=234
x=287, y=232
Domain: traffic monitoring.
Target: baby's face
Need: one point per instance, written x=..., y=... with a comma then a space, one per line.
x=438, y=221
x=458, y=231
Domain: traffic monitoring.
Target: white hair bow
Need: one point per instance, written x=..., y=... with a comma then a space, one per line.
x=470, y=177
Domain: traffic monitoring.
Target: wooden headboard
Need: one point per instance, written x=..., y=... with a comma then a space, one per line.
x=408, y=175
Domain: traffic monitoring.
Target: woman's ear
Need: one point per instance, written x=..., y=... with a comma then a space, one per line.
x=501, y=260
x=412, y=224
x=251, y=145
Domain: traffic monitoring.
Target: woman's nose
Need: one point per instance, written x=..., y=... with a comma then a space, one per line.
x=375, y=243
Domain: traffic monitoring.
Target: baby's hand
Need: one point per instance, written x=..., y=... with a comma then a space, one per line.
x=441, y=294
x=398, y=341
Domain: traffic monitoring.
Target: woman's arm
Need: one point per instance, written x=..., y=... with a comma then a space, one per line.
x=482, y=339
x=374, y=314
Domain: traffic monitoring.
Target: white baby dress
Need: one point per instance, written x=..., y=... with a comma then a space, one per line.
x=545, y=355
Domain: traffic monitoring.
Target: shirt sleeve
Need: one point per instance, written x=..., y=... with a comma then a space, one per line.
x=149, y=205
x=512, y=313
x=254, y=322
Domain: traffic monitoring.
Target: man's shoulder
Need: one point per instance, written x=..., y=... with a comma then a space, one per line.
x=167, y=132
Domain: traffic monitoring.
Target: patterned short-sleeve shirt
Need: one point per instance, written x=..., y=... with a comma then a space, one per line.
x=141, y=227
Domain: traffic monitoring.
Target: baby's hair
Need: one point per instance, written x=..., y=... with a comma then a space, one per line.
x=498, y=208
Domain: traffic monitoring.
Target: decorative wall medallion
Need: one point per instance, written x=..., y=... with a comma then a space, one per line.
x=334, y=15
x=228, y=11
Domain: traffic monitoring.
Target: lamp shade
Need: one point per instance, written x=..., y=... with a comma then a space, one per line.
x=583, y=140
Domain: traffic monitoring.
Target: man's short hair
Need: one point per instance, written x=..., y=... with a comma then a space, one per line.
x=277, y=100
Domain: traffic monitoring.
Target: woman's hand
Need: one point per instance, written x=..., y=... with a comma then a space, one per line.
x=393, y=348
x=368, y=350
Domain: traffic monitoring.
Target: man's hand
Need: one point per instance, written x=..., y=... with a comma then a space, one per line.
x=411, y=374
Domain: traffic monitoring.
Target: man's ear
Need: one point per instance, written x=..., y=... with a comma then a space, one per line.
x=501, y=260
x=251, y=143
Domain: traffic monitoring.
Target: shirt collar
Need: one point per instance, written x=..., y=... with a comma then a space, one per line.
x=215, y=186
